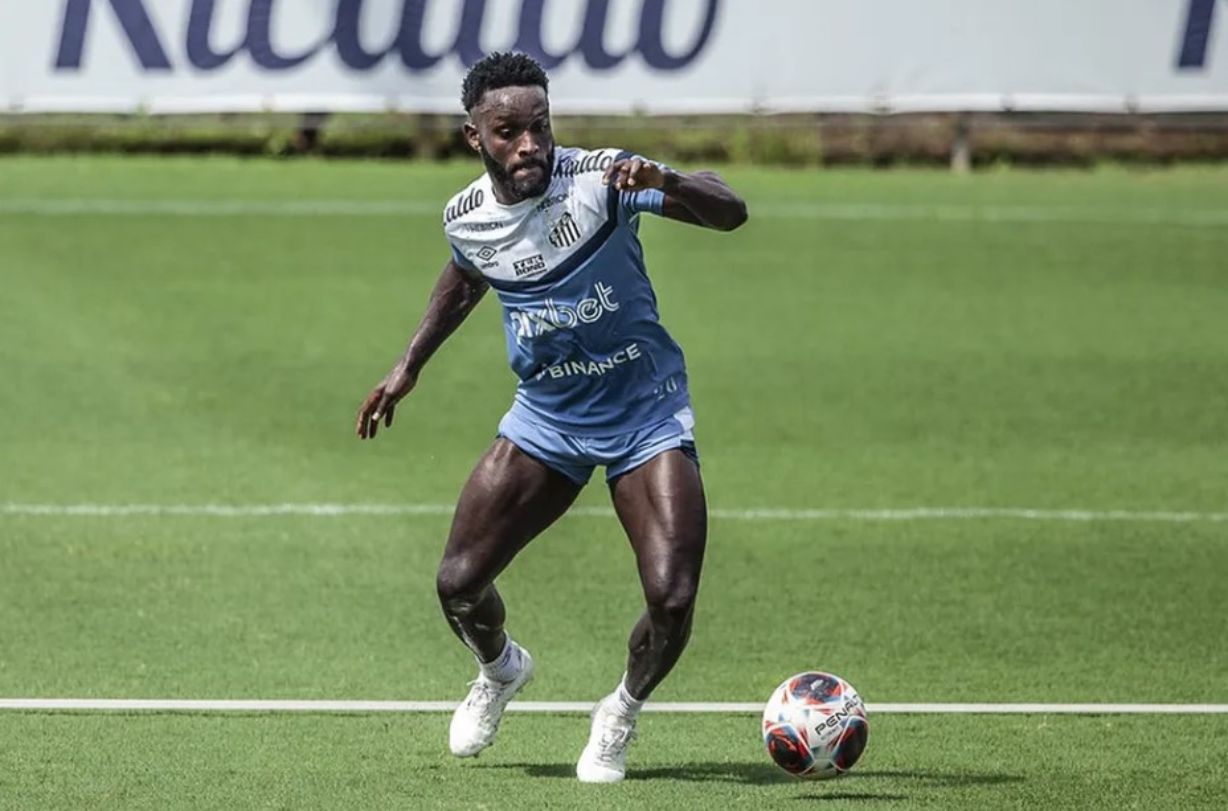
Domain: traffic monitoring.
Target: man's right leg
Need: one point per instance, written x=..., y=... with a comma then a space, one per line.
x=509, y=499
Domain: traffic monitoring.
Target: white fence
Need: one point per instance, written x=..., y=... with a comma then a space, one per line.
x=617, y=56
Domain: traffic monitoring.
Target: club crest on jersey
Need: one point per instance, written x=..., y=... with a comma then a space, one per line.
x=565, y=233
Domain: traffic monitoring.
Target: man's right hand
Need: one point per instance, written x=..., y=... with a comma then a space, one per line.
x=381, y=403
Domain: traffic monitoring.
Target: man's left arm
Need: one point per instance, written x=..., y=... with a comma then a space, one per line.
x=699, y=198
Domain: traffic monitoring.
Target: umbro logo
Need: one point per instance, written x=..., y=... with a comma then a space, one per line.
x=565, y=233
x=487, y=253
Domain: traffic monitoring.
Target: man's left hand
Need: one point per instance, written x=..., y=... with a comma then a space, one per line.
x=634, y=174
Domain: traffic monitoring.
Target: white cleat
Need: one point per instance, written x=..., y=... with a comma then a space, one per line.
x=476, y=720
x=604, y=759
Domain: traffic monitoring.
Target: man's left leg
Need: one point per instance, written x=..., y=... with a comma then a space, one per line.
x=662, y=508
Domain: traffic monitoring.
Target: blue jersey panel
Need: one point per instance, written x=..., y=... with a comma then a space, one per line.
x=591, y=354
x=583, y=332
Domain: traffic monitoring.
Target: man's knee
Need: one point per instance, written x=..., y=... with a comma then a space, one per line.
x=459, y=585
x=671, y=597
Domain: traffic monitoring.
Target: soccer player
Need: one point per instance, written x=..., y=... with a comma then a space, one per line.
x=554, y=231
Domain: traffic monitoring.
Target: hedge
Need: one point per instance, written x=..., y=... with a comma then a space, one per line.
x=785, y=140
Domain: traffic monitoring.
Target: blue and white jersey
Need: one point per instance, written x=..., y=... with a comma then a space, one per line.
x=583, y=333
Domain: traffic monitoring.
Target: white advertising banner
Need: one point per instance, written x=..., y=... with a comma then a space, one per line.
x=617, y=56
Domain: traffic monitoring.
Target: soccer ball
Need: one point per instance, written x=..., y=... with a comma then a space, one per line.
x=815, y=725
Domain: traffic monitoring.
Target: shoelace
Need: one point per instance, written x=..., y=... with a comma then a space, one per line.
x=614, y=741
x=485, y=694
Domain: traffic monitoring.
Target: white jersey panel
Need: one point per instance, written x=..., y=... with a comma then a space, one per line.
x=523, y=242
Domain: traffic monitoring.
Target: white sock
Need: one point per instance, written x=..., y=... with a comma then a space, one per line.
x=624, y=704
x=506, y=666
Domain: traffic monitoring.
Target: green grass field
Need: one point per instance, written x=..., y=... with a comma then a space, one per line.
x=190, y=332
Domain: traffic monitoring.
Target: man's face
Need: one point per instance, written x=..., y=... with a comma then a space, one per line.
x=510, y=127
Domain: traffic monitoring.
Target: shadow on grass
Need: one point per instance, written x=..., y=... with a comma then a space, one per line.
x=762, y=774
x=746, y=773
x=854, y=797
x=937, y=778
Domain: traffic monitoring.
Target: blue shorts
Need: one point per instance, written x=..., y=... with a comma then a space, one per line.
x=576, y=456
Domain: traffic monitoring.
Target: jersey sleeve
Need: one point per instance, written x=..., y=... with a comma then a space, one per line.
x=650, y=201
x=636, y=202
x=461, y=260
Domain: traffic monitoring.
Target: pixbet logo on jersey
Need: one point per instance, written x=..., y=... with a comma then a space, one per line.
x=551, y=315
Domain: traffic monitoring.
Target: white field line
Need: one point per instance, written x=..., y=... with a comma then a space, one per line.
x=748, y=514
x=245, y=705
x=845, y=212
x=221, y=208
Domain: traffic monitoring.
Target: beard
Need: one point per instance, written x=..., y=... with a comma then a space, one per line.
x=522, y=188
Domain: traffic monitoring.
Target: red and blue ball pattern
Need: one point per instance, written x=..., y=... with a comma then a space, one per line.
x=787, y=746
x=815, y=725
x=817, y=688
x=850, y=744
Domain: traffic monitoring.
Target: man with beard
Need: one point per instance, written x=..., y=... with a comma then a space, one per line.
x=554, y=231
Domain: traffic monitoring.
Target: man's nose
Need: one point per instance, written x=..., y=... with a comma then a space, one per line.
x=529, y=144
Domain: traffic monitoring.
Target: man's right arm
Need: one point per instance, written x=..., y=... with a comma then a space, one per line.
x=455, y=295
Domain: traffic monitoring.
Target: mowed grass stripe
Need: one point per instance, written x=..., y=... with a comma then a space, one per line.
x=343, y=706
x=90, y=760
x=733, y=514
x=872, y=212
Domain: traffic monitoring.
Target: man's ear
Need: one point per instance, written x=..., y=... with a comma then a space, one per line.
x=471, y=136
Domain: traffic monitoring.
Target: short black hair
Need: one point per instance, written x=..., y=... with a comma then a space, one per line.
x=501, y=70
